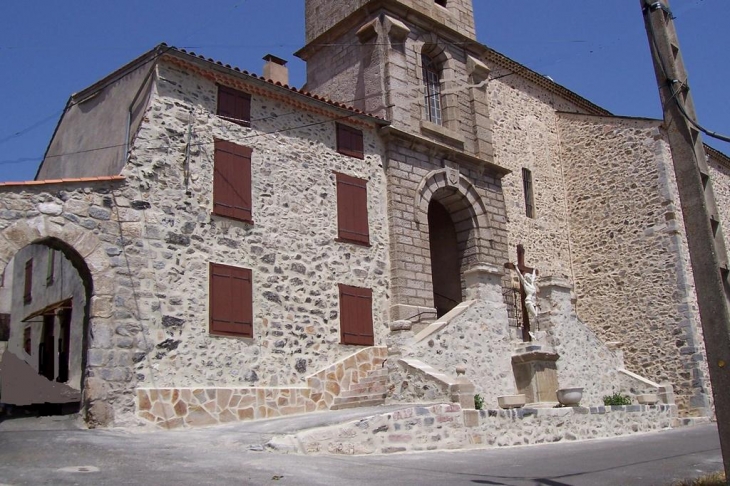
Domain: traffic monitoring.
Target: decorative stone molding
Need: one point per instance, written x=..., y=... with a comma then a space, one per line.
x=397, y=30
x=477, y=70
x=368, y=31
x=449, y=136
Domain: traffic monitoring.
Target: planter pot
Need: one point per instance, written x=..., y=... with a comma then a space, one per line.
x=570, y=397
x=647, y=399
x=511, y=401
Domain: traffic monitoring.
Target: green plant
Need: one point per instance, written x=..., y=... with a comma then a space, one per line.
x=478, y=402
x=716, y=479
x=616, y=399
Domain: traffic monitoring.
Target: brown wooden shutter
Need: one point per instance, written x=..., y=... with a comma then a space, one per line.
x=28, y=290
x=232, y=181
x=352, y=209
x=231, y=301
x=349, y=141
x=234, y=105
x=356, y=316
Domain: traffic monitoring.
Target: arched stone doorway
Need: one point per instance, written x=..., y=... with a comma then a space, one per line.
x=45, y=300
x=458, y=233
x=445, y=259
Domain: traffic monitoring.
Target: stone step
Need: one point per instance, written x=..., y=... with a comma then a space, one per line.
x=362, y=403
x=373, y=379
x=360, y=391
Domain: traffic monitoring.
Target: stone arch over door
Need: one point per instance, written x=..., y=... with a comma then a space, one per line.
x=84, y=249
x=459, y=198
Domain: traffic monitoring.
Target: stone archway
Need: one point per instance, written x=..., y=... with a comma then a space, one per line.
x=447, y=202
x=461, y=199
x=83, y=249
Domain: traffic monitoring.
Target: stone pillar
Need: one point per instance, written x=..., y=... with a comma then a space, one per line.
x=484, y=282
x=462, y=392
x=555, y=302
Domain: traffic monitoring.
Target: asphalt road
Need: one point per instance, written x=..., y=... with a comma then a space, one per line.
x=43, y=454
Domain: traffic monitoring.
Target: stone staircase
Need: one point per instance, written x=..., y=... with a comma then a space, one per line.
x=365, y=392
x=357, y=380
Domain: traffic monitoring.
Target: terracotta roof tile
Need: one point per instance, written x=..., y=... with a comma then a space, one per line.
x=63, y=181
x=273, y=83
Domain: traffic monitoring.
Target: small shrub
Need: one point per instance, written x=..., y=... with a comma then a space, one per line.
x=478, y=402
x=616, y=399
x=716, y=479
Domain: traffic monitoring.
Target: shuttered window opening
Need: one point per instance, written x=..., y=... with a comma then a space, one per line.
x=231, y=301
x=356, y=316
x=349, y=141
x=232, y=181
x=234, y=105
x=28, y=287
x=352, y=209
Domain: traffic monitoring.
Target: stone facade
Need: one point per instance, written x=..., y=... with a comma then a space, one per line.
x=631, y=264
x=291, y=246
x=605, y=233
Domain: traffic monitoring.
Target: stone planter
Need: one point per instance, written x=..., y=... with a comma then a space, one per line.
x=511, y=401
x=570, y=397
x=647, y=399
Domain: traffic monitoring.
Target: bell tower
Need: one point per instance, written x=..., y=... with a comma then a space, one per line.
x=405, y=60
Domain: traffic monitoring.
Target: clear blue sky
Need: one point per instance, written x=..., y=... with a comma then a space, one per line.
x=50, y=49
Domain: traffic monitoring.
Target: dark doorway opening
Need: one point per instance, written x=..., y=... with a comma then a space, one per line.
x=445, y=259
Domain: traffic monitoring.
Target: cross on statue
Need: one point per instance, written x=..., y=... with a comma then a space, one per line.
x=528, y=291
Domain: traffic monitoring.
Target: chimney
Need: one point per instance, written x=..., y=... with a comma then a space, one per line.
x=275, y=69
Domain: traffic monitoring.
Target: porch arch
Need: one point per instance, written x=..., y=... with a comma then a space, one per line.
x=84, y=249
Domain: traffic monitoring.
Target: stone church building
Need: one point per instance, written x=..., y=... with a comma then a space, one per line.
x=244, y=249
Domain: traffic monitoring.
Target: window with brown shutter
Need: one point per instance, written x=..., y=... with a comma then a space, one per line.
x=349, y=141
x=231, y=301
x=232, y=181
x=234, y=105
x=356, y=316
x=352, y=209
x=28, y=287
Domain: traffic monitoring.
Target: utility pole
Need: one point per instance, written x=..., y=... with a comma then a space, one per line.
x=701, y=220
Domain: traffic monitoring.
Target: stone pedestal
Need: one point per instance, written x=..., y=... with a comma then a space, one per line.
x=484, y=282
x=556, y=302
x=536, y=374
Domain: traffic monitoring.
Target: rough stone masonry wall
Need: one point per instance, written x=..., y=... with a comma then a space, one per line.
x=444, y=427
x=291, y=247
x=720, y=177
x=85, y=218
x=526, y=136
x=632, y=275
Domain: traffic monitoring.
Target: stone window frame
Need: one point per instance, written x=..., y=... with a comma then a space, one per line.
x=230, y=292
x=352, y=210
x=433, y=49
x=528, y=191
x=431, y=79
x=356, y=316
